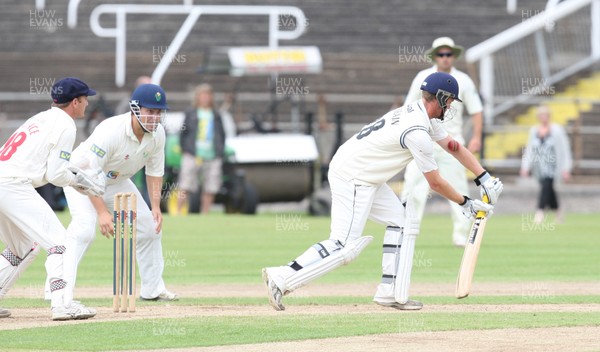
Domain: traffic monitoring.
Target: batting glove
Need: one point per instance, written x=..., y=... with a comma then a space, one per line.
x=471, y=207
x=489, y=186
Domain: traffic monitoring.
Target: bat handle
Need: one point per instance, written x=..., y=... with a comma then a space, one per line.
x=482, y=213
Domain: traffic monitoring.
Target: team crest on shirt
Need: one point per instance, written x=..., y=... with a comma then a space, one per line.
x=127, y=157
x=65, y=155
x=97, y=150
x=112, y=174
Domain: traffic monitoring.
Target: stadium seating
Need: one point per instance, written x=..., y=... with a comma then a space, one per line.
x=359, y=42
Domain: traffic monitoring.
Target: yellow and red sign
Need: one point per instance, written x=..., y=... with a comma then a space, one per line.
x=262, y=60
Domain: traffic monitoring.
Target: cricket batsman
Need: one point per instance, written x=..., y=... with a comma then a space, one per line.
x=36, y=154
x=120, y=146
x=358, y=174
x=444, y=52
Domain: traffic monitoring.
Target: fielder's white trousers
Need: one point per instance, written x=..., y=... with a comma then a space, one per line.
x=453, y=172
x=26, y=221
x=82, y=230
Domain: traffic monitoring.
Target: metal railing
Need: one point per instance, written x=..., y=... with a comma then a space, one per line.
x=528, y=59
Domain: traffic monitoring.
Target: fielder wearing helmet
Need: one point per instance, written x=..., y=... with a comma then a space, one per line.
x=443, y=87
x=148, y=104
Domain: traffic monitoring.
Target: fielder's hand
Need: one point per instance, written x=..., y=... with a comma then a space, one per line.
x=106, y=224
x=90, y=182
x=490, y=186
x=472, y=207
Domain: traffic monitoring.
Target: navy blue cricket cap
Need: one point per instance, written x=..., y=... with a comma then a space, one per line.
x=150, y=96
x=67, y=89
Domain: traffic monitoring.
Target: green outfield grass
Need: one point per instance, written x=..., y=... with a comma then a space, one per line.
x=220, y=249
x=211, y=331
x=232, y=249
x=327, y=300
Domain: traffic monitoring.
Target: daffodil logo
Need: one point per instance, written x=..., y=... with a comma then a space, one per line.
x=157, y=96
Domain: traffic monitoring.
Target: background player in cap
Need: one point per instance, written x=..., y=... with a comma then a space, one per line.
x=358, y=174
x=444, y=52
x=121, y=146
x=36, y=154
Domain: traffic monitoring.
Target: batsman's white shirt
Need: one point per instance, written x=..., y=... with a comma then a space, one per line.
x=383, y=148
x=450, y=169
x=467, y=92
x=40, y=149
x=114, y=147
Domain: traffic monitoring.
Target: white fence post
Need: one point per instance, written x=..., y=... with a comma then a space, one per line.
x=595, y=30
x=486, y=72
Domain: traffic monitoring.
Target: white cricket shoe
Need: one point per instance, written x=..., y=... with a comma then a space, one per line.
x=168, y=296
x=409, y=305
x=163, y=296
x=63, y=313
x=273, y=291
x=83, y=312
x=4, y=313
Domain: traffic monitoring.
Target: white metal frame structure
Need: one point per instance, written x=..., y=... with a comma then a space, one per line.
x=119, y=32
x=570, y=43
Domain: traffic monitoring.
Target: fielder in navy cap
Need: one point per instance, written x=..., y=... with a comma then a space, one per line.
x=67, y=89
x=38, y=153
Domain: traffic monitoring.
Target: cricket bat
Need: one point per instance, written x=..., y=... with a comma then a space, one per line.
x=469, y=259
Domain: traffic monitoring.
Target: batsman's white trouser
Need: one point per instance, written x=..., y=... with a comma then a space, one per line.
x=352, y=204
x=82, y=230
x=453, y=172
x=26, y=219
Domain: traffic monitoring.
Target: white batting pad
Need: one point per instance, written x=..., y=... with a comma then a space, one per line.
x=405, y=264
x=321, y=267
x=404, y=268
x=392, y=240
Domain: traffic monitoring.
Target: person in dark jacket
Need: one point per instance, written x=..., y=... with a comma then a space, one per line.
x=202, y=141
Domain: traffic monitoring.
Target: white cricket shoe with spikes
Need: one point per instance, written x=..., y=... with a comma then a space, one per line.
x=409, y=305
x=83, y=311
x=75, y=310
x=273, y=291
